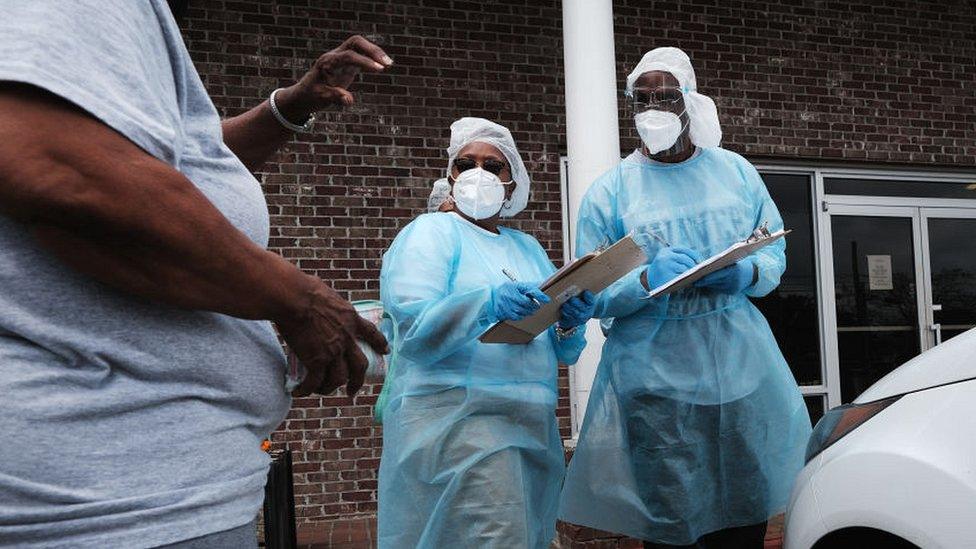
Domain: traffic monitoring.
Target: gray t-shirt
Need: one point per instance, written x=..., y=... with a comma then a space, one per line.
x=125, y=423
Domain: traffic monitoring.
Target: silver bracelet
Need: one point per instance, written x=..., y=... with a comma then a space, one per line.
x=565, y=333
x=307, y=127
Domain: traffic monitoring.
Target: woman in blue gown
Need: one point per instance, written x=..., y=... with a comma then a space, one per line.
x=471, y=451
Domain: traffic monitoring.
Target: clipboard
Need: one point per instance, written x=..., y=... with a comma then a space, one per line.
x=760, y=238
x=594, y=272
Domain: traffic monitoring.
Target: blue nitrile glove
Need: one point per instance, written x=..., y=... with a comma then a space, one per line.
x=577, y=310
x=513, y=300
x=669, y=263
x=732, y=279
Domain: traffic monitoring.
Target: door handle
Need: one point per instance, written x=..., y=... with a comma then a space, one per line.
x=937, y=328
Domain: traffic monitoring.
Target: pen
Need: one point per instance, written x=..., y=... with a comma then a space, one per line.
x=660, y=239
x=513, y=279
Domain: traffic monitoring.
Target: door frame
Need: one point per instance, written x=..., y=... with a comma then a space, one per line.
x=828, y=289
x=925, y=214
x=824, y=205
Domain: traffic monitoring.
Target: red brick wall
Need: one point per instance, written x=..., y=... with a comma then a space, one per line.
x=891, y=81
x=839, y=80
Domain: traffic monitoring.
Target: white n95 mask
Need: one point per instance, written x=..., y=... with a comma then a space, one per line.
x=659, y=130
x=479, y=194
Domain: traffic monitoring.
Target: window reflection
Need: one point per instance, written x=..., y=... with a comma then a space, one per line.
x=815, y=407
x=877, y=311
x=952, y=252
x=791, y=309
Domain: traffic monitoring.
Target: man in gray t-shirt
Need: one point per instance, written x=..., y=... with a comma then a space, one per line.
x=139, y=370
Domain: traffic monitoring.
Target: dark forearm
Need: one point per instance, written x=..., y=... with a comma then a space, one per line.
x=171, y=246
x=114, y=212
x=257, y=285
x=256, y=135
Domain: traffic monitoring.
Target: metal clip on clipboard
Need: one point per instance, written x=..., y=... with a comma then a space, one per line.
x=759, y=233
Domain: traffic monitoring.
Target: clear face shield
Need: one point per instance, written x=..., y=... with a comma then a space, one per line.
x=660, y=117
x=661, y=98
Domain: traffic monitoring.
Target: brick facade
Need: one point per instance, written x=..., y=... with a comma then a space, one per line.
x=826, y=81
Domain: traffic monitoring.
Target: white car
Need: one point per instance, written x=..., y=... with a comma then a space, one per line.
x=897, y=467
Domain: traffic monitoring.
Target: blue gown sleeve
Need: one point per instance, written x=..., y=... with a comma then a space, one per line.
x=416, y=280
x=771, y=260
x=597, y=226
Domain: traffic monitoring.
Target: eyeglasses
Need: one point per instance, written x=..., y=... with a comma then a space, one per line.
x=642, y=99
x=492, y=166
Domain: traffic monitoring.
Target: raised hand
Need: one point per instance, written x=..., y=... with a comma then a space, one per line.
x=327, y=83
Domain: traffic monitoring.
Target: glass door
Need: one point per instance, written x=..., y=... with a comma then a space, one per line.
x=878, y=298
x=902, y=280
x=950, y=263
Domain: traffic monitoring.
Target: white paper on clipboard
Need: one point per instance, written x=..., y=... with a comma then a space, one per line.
x=760, y=239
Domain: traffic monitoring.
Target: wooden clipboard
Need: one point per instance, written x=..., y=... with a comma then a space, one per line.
x=594, y=272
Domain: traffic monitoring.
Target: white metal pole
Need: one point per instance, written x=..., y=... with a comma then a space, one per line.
x=592, y=138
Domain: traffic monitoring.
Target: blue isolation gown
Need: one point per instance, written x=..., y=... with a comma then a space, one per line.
x=694, y=422
x=471, y=452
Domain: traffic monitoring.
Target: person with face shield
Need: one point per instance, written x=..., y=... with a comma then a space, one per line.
x=471, y=451
x=695, y=427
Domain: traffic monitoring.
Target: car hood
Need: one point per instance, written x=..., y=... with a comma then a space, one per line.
x=954, y=360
